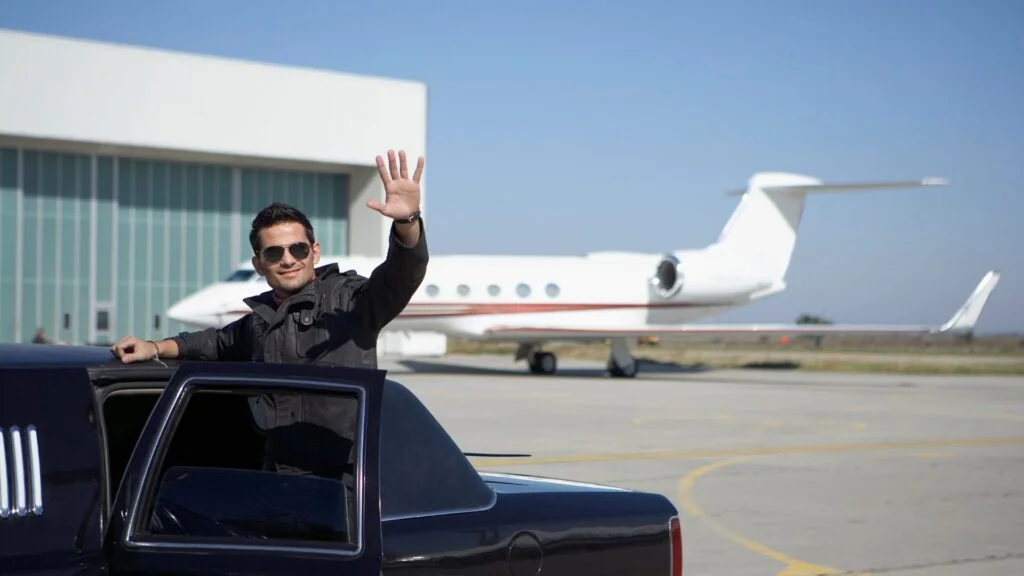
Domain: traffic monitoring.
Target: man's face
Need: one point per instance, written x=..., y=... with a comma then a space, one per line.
x=286, y=259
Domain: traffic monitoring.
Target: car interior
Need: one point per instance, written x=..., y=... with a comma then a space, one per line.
x=213, y=481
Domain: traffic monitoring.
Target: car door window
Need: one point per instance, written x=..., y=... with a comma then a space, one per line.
x=261, y=467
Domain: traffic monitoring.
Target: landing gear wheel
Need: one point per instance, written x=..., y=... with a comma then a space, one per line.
x=617, y=371
x=543, y=363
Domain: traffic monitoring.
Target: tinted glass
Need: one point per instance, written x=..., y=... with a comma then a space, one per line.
x=260, y=468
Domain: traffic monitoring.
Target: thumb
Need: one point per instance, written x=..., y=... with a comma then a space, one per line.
x=375, y=205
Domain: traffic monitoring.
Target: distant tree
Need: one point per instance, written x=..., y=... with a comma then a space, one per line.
x=813, y=319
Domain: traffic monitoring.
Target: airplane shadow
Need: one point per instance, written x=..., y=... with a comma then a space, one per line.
x=439, y=366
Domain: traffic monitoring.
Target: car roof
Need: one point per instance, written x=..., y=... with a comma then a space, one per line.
x=414, y=439
x=22, y=354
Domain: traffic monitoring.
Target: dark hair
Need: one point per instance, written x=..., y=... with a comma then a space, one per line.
x=277, y=213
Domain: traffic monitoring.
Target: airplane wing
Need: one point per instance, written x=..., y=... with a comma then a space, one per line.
x=962, y=321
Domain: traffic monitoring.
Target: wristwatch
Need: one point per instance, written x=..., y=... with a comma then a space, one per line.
x=410, y=219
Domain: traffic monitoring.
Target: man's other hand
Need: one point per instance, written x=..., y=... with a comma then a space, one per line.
x=131, y=349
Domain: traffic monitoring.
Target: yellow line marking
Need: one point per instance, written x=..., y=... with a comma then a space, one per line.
x=716, y=417
x=794, y=567
x=931, y=455
x=751, y=451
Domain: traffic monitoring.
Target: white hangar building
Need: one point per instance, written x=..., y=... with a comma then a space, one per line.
x=129, y=177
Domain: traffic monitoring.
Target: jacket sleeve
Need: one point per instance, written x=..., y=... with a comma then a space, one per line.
x=231, y=342
x=391, y=285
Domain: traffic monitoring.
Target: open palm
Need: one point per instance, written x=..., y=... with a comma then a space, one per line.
x=401, y=195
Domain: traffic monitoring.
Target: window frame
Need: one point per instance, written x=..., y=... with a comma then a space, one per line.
x=140, y=505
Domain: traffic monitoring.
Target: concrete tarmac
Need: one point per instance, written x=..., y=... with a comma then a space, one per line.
x=774, y=472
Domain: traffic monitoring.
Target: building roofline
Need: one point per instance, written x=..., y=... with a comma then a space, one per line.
x=205, y=58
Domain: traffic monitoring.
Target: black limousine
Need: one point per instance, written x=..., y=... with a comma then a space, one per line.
x=148, y=469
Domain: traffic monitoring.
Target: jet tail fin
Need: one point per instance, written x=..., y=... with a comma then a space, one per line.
x=761, y=233
x=967, y=316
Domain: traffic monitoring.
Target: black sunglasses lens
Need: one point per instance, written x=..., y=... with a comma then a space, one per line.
x=299, y=250
x=273, y=253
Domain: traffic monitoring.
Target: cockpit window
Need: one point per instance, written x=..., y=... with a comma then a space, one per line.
x=240, y=276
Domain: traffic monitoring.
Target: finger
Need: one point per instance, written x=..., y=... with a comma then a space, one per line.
x=382, y=170
x=419, y=171
x=403, y=165
x=393, y=164
x=374, y=205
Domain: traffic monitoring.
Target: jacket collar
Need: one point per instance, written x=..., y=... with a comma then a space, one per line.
x=263, y=304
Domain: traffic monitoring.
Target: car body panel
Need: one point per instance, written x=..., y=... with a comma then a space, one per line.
x=428, y=511
x=48, y=434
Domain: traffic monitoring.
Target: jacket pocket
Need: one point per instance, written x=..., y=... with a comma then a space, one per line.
x=310, y=335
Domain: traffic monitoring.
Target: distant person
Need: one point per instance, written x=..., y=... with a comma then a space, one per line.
x=311, y=315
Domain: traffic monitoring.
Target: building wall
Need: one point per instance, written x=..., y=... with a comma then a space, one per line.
x=88, y=96
x=95, y=247
x=176, y=151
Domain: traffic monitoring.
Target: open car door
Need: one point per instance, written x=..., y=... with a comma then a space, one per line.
x=252, y=468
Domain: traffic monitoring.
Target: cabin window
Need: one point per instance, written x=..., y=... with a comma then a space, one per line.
x=552, y=290
x=493, y=290
x=463, y=290
x=230, y=472
x=240, y=275
x=523, y=290
x=432, y=290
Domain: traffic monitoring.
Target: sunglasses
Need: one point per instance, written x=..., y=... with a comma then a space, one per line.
x=273, y=254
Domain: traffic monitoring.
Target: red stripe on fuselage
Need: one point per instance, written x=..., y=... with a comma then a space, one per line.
x=426, y=309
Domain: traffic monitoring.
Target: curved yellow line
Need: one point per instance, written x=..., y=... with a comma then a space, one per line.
x=794, y=566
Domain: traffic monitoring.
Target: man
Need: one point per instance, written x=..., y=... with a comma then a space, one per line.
x=311, y=315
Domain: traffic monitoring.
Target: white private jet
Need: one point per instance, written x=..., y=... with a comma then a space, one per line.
x=612, y=296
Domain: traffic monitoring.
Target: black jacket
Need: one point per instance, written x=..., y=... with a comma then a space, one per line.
x=334, y=320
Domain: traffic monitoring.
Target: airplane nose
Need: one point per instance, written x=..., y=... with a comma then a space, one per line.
x=199, y=310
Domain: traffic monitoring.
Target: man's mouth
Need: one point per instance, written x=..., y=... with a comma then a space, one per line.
x=289, y=273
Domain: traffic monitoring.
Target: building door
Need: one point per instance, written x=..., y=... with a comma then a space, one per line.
x=103, y=323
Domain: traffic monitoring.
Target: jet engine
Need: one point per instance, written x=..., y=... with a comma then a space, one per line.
x=668, y=277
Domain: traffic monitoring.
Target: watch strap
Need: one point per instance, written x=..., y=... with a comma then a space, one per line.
x=410, y=219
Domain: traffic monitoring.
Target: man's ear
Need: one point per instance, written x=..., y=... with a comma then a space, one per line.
x=316, y=253
x=257, y=266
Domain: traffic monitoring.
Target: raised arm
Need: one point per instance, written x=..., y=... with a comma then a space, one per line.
x=387, y=291
x=391, y=285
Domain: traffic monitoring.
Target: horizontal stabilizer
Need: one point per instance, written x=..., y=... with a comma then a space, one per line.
x=962, y=321
x=847, y=186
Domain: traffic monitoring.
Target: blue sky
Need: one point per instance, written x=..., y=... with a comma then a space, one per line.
x=561, y=127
